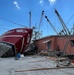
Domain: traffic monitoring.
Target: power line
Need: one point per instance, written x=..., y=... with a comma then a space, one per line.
x=12, y=22
x=3, y=27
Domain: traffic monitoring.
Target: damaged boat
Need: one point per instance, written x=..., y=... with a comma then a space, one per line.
x=15, y=41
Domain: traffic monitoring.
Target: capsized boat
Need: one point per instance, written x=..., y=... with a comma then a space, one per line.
x=15, y=41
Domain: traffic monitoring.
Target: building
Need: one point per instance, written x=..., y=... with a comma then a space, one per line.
x=63, y=43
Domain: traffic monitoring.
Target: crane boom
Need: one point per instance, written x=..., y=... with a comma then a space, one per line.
x=62, y=23
x=51, y=24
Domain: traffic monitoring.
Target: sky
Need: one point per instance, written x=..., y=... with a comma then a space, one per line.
x=13, y=12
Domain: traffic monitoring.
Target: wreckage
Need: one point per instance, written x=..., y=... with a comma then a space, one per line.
x=15, y=41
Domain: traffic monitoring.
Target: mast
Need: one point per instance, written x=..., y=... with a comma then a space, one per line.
x=41, y=20
x=66, y=30
x=30, y=19
x=51, y=24
x=72, y=30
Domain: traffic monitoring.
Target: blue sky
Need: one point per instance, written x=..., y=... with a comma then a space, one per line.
x=18, y=11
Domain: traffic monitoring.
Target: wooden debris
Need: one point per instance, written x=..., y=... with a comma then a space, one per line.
x=39, y=69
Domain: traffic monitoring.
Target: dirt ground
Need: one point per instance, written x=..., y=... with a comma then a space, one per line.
x=32, y=65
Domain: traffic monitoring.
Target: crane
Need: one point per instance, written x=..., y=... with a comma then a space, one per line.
x=51, y=24
x=65, y=29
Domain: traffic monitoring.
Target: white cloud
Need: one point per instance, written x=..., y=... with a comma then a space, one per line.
x=16, y=4
x=52, y=1
x=41, y=1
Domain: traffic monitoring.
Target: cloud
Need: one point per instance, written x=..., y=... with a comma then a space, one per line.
x=41, y=1
x=52, y=1
x=16, y=4
x=47, y=2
